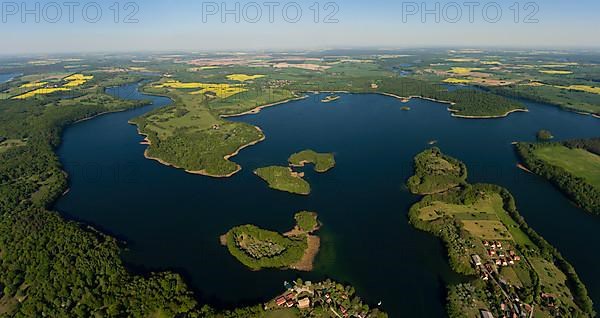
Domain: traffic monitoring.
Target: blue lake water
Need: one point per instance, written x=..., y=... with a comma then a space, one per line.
x=172, y=220
x=6, y=77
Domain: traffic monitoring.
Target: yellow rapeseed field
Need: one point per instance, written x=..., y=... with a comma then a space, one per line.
x=72, y=81
x=583, y=88
x=221, y=90
x=453, y=80
x=464, y=70
x=75, y=83
x=78, y=77
x=41, y=91
x=33, y=85
x=243, y=77
x=77, y=80
x=462, y=60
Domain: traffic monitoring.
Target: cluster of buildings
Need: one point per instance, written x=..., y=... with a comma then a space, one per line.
x=278, y=83
x=499, y=256
x=319, y=296
x=289, y=300
x=298, y=295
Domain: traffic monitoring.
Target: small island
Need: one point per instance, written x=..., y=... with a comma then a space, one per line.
x=405, y=108
x=284, y=179
x=330, y=98
x=257, y=248
x=436, y=172
x=323, y=161
x=544, y=135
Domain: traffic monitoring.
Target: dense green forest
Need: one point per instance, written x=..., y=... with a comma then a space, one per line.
x=566, y=99
x=465, y=102
x=52, y=267
x=436, y=172
x=585, y=193
x=592, y=145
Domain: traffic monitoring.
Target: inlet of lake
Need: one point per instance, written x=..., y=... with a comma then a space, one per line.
x=172, y=220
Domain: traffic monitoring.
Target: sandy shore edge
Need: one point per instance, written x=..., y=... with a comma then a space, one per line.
x=524, y=168
x=306, y=263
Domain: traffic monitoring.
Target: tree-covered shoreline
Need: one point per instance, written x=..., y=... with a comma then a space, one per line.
x=586, y=195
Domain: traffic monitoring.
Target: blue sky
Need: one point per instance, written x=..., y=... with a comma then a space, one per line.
x=199, y=26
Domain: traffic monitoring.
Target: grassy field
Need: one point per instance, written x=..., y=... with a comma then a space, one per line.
x=323, y=161
x=11, y=143
x=488, y=208
x=486, y=229
x=284, y=179
x=579, y=162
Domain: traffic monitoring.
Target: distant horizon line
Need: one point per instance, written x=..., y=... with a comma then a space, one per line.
x=554, y=48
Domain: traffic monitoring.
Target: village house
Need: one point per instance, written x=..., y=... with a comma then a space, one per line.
x=486, y=314
x=476, y=260
x=280, y=301
x=304, y=303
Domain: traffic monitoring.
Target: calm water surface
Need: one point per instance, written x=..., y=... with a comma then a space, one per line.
x=6, y=77
x=172, y=220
